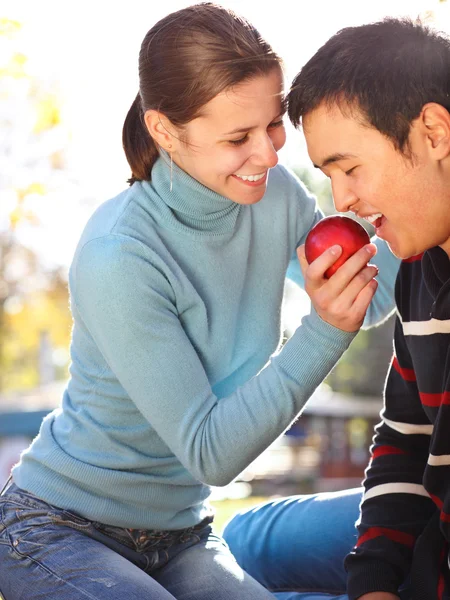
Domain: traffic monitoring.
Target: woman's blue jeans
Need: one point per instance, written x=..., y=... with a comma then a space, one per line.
x=296, y=546
x=48, y=553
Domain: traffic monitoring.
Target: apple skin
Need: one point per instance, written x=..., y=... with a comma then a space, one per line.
x=335, y=230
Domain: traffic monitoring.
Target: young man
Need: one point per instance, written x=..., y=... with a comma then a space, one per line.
x=374, y=105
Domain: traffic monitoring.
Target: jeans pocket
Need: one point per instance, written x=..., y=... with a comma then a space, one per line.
x=26, y=526
x=13, y=513
x=22, y=525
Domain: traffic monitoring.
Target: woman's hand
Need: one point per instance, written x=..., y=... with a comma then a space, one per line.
x=343, y=299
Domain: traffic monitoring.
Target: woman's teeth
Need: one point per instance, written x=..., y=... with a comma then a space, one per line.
x=251, y=177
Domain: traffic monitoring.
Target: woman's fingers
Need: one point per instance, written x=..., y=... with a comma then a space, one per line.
x=343, y=299
x=352, y=267
x=318, y=267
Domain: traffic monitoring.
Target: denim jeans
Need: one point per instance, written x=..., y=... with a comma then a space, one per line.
x=296, y=546
x=47, y=553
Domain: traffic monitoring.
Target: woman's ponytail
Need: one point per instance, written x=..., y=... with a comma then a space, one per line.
x=139, y=147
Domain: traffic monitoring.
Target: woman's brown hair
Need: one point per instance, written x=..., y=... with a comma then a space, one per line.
x=185, y=60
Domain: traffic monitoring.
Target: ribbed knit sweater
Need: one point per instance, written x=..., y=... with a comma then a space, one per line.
x=176, y=382
x=405, y=519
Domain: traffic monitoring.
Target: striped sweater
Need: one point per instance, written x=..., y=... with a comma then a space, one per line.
x=404, y=527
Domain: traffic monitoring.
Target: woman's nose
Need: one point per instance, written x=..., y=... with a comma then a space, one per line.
x=265, y=153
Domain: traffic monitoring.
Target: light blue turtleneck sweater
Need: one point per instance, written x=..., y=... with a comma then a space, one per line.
x=176, y=383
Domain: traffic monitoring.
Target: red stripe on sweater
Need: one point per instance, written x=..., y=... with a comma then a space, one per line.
x=396, y=536
x=383, y=450
x=445, y=517
x=435, y=400
x=407, y=374
x=437, y=501
x=441, y=587
x=413, y=258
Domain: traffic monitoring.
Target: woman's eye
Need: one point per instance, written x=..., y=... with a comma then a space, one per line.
x=350, y=171
x=240, y=141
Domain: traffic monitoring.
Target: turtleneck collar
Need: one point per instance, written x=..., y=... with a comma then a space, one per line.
x=192, y=205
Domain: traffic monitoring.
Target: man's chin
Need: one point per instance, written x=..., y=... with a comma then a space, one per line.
x=400, y=253
x=404, y=254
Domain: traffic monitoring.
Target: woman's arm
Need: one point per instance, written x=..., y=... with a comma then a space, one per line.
x=124, y=297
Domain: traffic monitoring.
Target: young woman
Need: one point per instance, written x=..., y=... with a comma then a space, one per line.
x=176, y=287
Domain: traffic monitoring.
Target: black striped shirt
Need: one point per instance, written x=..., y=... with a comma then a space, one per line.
x=404, y=526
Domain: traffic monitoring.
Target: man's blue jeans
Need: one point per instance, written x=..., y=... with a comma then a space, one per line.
x=48, y=553
x=296, y=546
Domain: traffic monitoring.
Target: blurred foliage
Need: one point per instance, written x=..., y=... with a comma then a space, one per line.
x=33, y=298
x=319, y=185
x=31, y=320
x=363, y=368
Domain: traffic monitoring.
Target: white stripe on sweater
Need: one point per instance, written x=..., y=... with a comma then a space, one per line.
x=396, y=488
x=426, y=327
x=409, y=428
x=439, y=461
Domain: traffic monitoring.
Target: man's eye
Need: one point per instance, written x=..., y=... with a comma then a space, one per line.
x=276, y=124
x=350, y=171
x=240, y=141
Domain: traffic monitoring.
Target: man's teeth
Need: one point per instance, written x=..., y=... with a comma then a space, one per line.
x=251, y=177
x=373, y=218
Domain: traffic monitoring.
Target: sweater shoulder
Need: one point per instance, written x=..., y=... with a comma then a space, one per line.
x=125, y=214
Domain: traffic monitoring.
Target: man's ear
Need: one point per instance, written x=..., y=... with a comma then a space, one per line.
x=161, y=129
x=436, y=122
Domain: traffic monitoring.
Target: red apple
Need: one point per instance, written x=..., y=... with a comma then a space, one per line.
x=335, y=230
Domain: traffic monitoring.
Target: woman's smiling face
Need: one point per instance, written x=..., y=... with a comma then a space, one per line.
x=233, y=144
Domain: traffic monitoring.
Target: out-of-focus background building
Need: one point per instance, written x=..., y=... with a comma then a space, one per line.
x=68, y=74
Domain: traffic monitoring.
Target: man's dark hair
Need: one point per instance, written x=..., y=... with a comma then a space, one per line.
x=388, y=70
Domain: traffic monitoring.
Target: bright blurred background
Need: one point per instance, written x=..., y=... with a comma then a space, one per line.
x=68, y=74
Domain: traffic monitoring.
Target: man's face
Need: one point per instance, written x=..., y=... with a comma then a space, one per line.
x=407, y=200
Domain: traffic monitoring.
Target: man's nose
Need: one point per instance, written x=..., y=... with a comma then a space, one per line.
x=343, y=196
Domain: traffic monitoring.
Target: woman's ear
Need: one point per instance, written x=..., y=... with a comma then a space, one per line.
x=161, y=129
x=436, y=122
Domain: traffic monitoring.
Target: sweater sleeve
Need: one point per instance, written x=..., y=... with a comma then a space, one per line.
x=395, y=506
x=126, y=302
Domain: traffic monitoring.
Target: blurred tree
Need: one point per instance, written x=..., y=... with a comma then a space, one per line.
x=39, y=328
x=32, y=144
x=319, y=185
x=362, y=370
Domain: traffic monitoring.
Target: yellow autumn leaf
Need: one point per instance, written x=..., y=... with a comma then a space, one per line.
x=47, y=114
x=9, y=27
x=16, y=67
x=15, y=216
x=33, y=188
x=36, y=188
